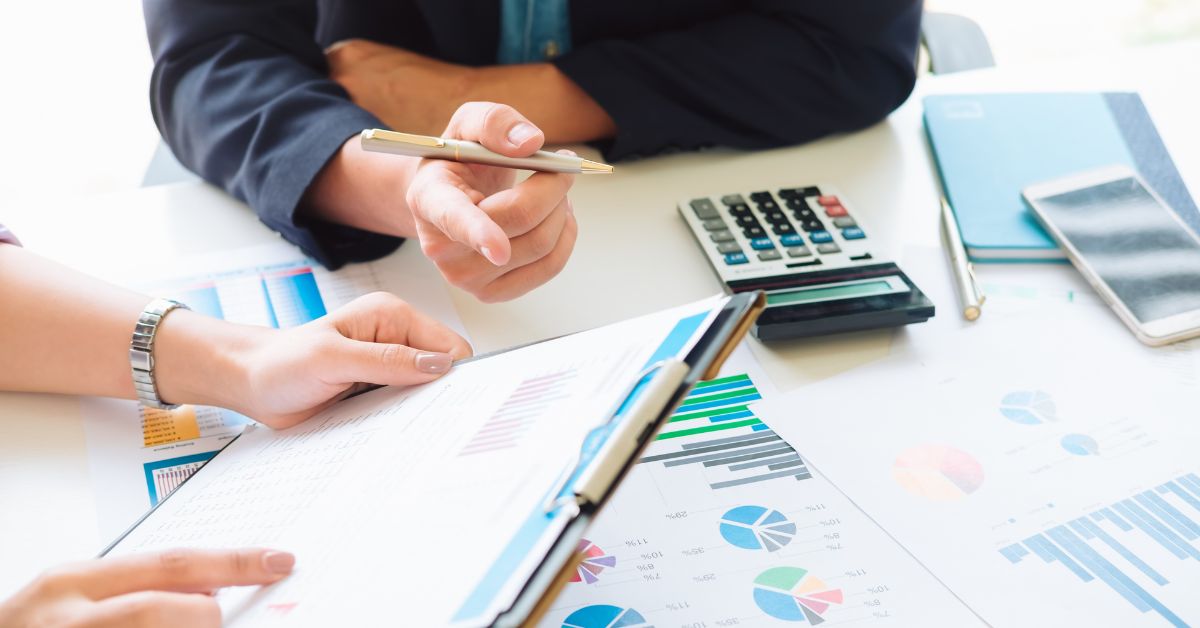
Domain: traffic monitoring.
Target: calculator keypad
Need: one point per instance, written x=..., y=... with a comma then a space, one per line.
x=721, y=235
x=800, y=225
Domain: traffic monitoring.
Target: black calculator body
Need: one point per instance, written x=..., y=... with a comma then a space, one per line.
x=808, y=251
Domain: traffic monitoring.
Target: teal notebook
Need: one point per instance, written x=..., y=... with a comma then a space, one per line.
x=988, y=147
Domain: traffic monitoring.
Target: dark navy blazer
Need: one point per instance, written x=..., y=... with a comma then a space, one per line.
x=241, y=94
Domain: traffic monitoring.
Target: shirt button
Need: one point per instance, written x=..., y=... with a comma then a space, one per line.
x=550, y=50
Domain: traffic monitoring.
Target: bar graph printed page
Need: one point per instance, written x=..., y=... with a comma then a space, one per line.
x=722, y=523
x=1041, y=463
x=139, y=455
x=400, y=502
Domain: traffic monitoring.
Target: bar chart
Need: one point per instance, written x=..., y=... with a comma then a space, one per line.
x=520, y=412
x=292, y=296
x=714, y=406
x=164, y=476
x=284, y=295
x=744, y=450
x=1112, y=542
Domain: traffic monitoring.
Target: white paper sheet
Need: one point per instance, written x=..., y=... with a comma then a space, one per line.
x=724, y=536
x=398, y=502
x=996, y=451
x=137, y=457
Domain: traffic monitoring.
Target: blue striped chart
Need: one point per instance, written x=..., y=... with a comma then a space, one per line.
x=1167, y=516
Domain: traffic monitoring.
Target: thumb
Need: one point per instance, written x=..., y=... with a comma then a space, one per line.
x=386, y=364
x=500, y=128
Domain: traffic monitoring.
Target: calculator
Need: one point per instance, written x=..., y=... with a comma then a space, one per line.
x=806, y=248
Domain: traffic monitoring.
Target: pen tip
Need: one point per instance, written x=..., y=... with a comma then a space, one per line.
x=588, y=166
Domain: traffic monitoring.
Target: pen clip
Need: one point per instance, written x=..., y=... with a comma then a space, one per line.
x=558, y=497
x=406, y=138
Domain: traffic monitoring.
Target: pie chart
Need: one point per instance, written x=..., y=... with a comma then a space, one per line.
x=793, y=594
x=937, y=472
x=1080, y=445
x=604, y=616
x=1028, y=407
x=594, y=561
x=755, y=528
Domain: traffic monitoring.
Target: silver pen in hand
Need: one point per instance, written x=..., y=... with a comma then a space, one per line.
x=970, y=296
x=381, y=141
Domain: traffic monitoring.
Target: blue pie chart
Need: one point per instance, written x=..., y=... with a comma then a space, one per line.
x=757, y=528
x=1080, y=445
x=605, y=616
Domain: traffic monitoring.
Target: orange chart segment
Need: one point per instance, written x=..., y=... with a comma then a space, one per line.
x=162, y=427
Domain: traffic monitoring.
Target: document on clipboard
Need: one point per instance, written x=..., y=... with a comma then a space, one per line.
x=458, y=502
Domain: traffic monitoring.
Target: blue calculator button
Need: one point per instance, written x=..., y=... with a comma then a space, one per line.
x=761, y=244
x=820, y=236
x=733, y=259
x=853, y=233
x=791, y=239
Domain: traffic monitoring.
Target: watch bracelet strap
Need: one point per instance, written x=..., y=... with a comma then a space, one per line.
x=141, y=352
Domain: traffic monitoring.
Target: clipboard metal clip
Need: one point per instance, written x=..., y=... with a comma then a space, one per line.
x=608, y=445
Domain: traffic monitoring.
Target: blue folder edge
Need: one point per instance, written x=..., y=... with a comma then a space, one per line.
x=1100, y=129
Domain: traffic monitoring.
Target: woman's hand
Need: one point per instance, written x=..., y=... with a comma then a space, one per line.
x=171, y=588
x=282, y=377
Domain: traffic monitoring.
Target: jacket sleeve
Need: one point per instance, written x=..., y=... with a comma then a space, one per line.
x=777, y=72
x=240, y=93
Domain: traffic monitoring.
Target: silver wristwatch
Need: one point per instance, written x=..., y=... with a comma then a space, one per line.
x=141, y=352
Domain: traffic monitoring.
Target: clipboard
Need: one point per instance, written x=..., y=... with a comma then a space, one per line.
x=613, y=449
x=540, y=558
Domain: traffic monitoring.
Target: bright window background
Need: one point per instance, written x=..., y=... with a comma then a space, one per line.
x=74, y=102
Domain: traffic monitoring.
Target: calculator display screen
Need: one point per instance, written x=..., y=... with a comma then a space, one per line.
x=842, y=291
x=1133, y=243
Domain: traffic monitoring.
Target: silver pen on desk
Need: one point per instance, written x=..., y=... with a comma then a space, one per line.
x=381, y=141
x=970, y=296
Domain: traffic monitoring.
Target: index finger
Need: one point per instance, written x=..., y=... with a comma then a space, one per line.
x=396, y=322
x=447, y=207
x=182, y=570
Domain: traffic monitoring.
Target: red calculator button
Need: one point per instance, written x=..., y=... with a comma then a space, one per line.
x=835, y=211
x=828, y=200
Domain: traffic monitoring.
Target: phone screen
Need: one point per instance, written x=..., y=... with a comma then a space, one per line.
x=1133, y=243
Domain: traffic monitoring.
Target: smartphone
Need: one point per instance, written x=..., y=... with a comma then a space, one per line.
x=1134, y=250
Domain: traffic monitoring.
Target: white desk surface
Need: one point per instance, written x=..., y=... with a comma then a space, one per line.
x=634, y=255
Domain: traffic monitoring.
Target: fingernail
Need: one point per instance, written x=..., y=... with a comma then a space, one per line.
x=279, y=562
x=487, y=252
x=568, y=152
x=521, y=132
x=433, y=362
